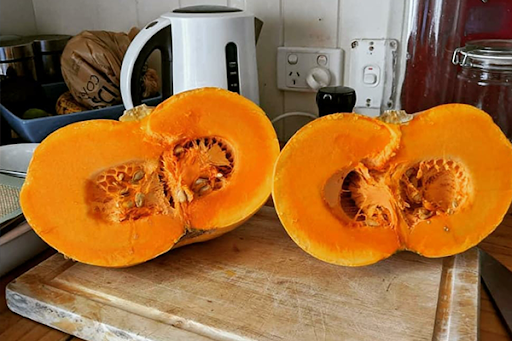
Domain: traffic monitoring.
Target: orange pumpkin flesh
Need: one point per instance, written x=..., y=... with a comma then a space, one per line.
x=353, y=190
x=119, y=193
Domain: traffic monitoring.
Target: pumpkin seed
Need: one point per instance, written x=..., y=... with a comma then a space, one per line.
x=125, y=192
x=446, y=229
x=423, y=213
x=200, y=181
x=181, y=196
x=219, y=175
x=204, y=189
x=138, y=175
x=416, y=198
x=178, y=150
x=139, y=199
x=120, y=176
x=371, y=222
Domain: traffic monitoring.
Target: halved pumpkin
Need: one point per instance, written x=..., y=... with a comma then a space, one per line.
x=116, y=194
x=353, y=190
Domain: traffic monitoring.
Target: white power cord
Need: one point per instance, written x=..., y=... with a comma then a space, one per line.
x=293, y=113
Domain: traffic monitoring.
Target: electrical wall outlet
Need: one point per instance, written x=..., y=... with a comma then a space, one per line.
x=306, y=69
x=294, y=79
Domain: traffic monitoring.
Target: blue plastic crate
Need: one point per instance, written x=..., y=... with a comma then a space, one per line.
x=36, y=129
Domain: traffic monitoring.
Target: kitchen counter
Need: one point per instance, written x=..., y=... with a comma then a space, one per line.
x=499, y=244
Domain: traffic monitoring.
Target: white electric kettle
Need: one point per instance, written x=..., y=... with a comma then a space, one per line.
x=200, y=46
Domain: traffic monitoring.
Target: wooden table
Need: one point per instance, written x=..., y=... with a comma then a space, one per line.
x=499, y=244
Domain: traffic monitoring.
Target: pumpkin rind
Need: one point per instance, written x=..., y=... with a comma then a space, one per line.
x=350, y=194
x=110, y=193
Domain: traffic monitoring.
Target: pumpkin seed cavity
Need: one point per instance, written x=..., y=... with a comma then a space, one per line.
x=431, y=188
x=426, y=189
x=366, y=199
x=126, y=192
x=193, y=168
x=188, y=170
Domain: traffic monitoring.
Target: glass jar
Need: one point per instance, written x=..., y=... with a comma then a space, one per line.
x=436, y=29
x=484, y=79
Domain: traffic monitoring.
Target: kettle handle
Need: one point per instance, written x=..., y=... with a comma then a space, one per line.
x=156, y=35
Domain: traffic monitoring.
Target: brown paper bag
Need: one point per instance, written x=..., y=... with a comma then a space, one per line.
x=91, y=67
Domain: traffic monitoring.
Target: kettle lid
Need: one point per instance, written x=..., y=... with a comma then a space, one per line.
x=206, y=9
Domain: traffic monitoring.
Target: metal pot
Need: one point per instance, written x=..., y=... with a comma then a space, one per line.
x=17, y=57
x=47, y=52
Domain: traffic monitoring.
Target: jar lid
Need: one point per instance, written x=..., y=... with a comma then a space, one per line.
x=49, y=43
x=13, y=49
x=492, y=54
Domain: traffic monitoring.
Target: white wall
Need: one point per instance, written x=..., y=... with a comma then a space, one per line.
x=17, y=17
x=318, y=23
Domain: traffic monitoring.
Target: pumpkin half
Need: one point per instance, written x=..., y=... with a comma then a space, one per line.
x=116, y=194
x=352, y=190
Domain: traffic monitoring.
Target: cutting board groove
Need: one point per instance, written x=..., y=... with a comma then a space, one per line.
x=255, y=284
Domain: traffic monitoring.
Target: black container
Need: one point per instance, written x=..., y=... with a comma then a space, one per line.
x=47, y=52
x=335, y=99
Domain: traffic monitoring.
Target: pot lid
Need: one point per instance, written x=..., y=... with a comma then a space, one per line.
x=16, y=48
x=49, y=42
x=206, y=9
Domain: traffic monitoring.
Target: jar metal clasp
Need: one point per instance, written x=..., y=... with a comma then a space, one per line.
x=456, y=59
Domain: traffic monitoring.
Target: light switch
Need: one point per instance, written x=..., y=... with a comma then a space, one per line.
x=371, y=75
x=370, y=79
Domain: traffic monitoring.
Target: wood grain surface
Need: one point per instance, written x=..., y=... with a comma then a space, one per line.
x=255, y=284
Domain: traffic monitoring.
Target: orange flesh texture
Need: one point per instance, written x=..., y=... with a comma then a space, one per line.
x=305, y=165
x=69, y=166
x=467, y=135
x=460, y=164
x=55, y=203
x=252, y=141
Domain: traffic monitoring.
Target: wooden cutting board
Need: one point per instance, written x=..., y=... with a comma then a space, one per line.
x=255, y=284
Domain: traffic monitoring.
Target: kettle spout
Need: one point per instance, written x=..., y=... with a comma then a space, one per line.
x=258, y=25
